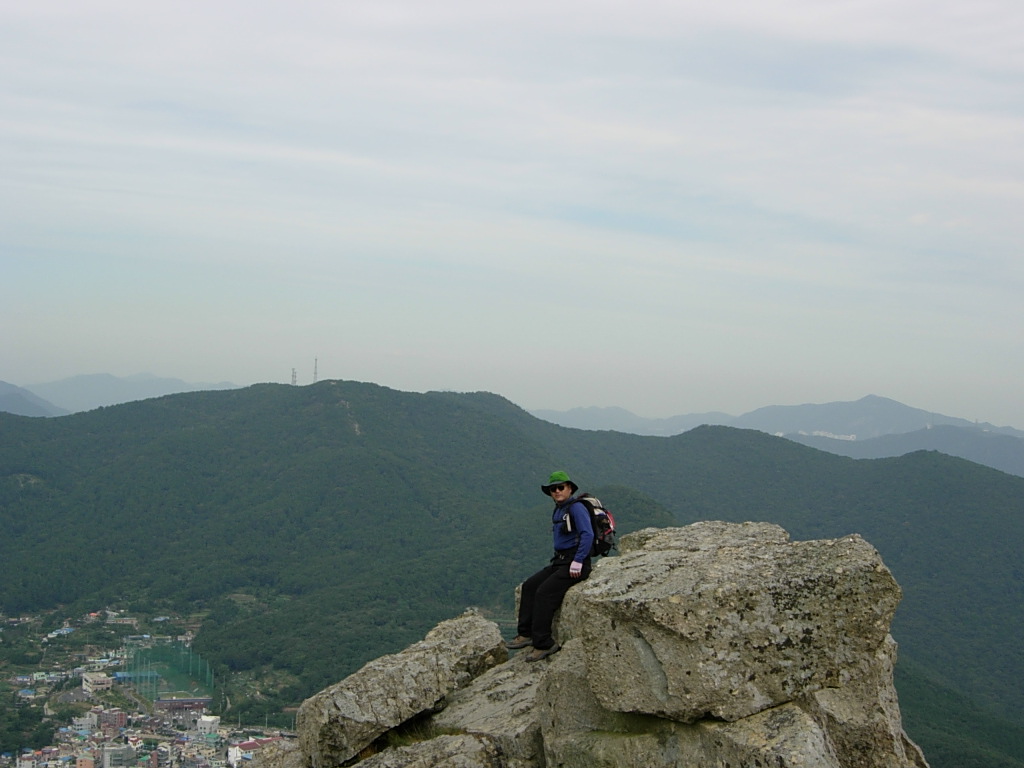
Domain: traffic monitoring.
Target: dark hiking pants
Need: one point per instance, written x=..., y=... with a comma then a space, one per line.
x=542, y=594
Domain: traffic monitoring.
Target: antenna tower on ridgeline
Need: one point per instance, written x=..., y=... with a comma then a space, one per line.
x=293, y=377
x=315, y=361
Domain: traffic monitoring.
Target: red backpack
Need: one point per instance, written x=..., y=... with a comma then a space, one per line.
x=601, y=521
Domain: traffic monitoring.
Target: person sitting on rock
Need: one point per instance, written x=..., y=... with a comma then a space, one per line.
x=542, y=593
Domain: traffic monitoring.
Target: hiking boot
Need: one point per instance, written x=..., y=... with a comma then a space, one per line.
x=518, y=642
x=542, y=653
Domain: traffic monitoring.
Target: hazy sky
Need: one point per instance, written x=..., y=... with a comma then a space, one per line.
x=664, y=205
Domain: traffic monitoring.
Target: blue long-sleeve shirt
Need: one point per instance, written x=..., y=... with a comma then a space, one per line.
x=571, y=529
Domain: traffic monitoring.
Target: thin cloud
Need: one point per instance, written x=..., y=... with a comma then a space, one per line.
x=738, y=182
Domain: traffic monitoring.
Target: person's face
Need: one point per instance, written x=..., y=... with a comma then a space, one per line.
x=561, y=492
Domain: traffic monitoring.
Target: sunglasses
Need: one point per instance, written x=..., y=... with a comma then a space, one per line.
x=559, y=487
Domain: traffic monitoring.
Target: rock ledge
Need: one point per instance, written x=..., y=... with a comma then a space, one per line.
x=713, y=644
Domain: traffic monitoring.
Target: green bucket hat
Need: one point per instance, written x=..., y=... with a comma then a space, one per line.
x=558, y=478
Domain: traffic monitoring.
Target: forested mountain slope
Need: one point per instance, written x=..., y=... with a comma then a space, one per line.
x=353, y=517
x=357, y=514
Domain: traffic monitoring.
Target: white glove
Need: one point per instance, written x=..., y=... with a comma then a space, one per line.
x=575, y=569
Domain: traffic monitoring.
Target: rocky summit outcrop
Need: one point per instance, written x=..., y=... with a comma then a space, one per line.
x=339, y=722
x=716, y=644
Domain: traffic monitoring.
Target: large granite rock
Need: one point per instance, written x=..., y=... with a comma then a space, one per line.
x=577, y=731
x=714, y=644
x=501, y=703
x=726, y=620
x=339, y=722
x=863, y=717
x=450, y=751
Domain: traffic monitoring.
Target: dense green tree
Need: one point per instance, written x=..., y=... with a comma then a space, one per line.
x=23, y=727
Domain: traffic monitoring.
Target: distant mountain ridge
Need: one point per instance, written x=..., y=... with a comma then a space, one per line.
x=89, y=391
x=992, y=449
x=22, y=402
x=870, y=428
x=620, y=420
x=871, y=416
